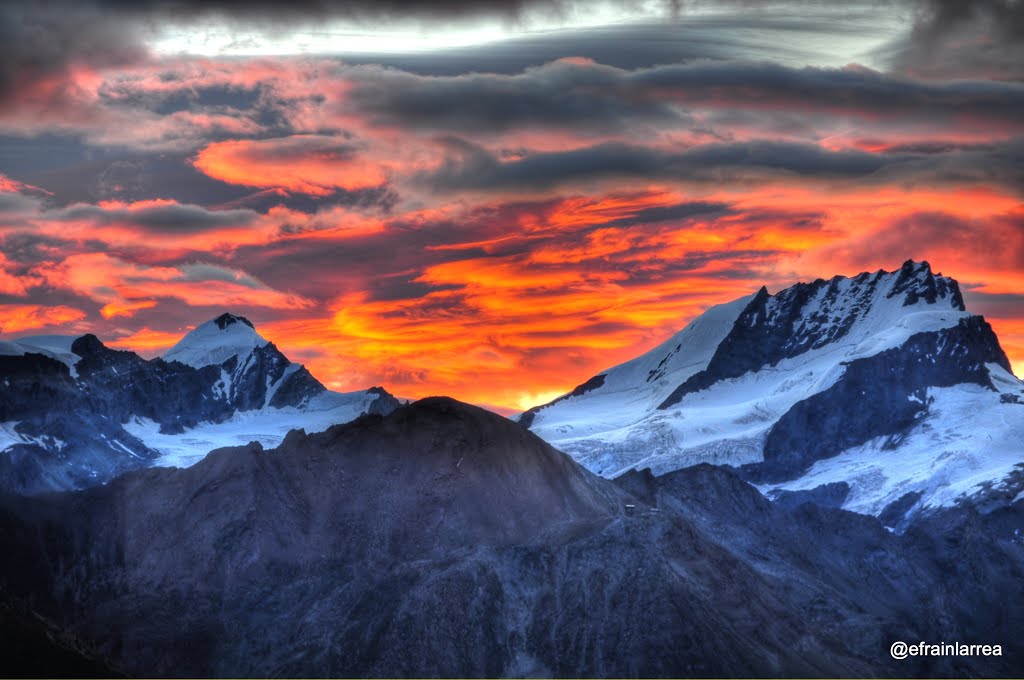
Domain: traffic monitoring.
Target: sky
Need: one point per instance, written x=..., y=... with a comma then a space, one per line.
x=495, y=200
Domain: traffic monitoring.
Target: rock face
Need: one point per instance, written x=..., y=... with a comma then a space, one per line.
x=83, y=413
x=58, y=435
x=883, y=395
x=35, y=648
x=813, y=316
x=443, y=540
x=882, y=382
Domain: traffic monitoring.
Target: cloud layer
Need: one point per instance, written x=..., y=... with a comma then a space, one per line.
x=481, y=223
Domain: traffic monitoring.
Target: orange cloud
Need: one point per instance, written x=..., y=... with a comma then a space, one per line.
x=1011, y=337
x=147, y=341
x=157, y=224
x=506, y=330
x=160, y=230
x=308, y=164
x=504, y=346
x=11, y=283
x=11, y=186
x=126, y=287
x=975, y=237
x=506, y=296
x=127, y=308
x=576, y=286
x=20, y=318
x=508, y=304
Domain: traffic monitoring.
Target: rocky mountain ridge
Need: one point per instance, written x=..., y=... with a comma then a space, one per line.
x=333, y=554
x=74, y=412
x=826, y=383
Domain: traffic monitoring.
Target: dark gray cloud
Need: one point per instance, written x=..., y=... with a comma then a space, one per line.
x=386, y=271
x=171, y=218
x=13, y=206
x=558, y=94
x=386, y=263
x=938, y=18
x=104, y=175
x=964, y=39
x=188, y=97
x=995, y=305
x=810, y=220
x=20, y=155
x=727, y=35
x=131, y=177
x=300, y=148
x=379, y=199
x=1001, y=165
x=937, y=146
x=330, y=266
x=41, y=39
x=687, y=60
x=30, y=247
x=854, y=91
x=369, y=10
x=600, y=97
x=470, y=167
x=200, y=271
x=678, y=212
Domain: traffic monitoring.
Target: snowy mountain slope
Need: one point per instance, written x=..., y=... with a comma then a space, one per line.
x=267, y=426
x=621, y=395
x=971, y=443
x=216, y=341
x=75, y=412
x=799, y=382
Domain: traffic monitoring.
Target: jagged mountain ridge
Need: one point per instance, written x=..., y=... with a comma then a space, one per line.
x=813, y=384
x=74, y=412
x=331, y=556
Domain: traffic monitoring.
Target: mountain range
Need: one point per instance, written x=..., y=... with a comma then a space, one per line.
x=786, y=487
x=74, y=413
x=879, y=393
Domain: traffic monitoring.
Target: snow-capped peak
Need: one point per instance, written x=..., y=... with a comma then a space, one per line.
x=882, y=382
x=216, y=341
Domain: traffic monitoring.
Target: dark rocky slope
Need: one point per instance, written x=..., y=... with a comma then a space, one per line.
x=773, y=328
x=442, y=540
x=880, y=395
x=35, y=648
x=952, y=576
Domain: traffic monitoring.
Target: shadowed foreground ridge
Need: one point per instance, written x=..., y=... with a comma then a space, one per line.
x=445, y=540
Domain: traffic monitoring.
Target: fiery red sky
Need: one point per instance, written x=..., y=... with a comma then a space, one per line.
x=495, y=201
